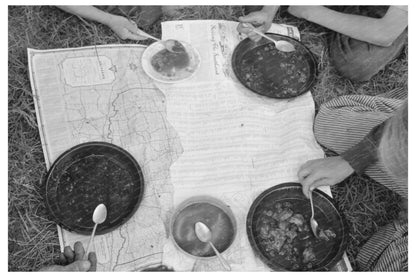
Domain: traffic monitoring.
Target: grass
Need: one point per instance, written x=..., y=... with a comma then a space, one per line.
x=33, y=239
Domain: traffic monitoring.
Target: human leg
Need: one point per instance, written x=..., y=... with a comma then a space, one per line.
x=387, y=250
x=148, y=15
x=359, y=60
x=145, y=15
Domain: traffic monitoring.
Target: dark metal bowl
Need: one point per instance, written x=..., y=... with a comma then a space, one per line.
x=87, y=175
x=247, y=49
x=326, y=214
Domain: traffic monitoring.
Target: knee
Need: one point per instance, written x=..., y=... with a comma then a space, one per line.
x=353, y=59
x=323, y=125
x=353, y=66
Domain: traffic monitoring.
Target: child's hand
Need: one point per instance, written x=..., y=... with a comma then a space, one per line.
x=259, y=19
x=323, y=172
x=73, y=260
x=124, y=28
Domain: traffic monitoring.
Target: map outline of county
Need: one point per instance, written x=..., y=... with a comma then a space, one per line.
x=142, y=129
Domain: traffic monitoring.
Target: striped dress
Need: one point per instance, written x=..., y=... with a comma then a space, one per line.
x=342, y=124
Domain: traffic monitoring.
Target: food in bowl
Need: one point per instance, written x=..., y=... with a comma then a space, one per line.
x=219, y=221
x=285, y=233
x=282, y=74
x=167, y=63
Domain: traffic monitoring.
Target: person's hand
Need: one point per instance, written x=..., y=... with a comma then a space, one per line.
x=73, y=260
x=261, y=20
x=124, y=28
x=323, y=172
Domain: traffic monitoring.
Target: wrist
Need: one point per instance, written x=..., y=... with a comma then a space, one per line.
x=345, y=166
x=107, y=19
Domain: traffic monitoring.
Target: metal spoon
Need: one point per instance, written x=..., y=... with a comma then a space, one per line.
x=281, y=45
x=314, y=224
x=204, y=234
x=99, y=216
x=172, y=45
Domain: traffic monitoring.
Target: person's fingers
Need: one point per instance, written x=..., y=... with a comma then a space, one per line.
x=81, y=265
x=62, y=259
x=69, y=254
x=243, y=29
x=307, y=182
x=264, y=28
x=303, y=172
x=305, y=191
x=253, y=36
x=317, y=184
x=306, y=168
x=79, y=251
x=132, y=27
x=92, y=257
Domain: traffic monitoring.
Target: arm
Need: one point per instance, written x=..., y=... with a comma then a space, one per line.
x=365, y=152
x=379, y=31
x=333, y=170
x=88, y=12
x=123, y=27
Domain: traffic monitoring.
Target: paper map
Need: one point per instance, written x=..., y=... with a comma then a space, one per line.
x=206, y=136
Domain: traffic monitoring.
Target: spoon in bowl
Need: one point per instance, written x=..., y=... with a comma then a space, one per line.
x=281, y=45
x=314, y=224
x=204, y=234
x=172, y=45
x=98, y=217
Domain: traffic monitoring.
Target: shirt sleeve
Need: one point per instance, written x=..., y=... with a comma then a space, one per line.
x=365, y=152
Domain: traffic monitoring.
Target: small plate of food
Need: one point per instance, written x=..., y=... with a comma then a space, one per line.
x=279, y=231
x=167, y=66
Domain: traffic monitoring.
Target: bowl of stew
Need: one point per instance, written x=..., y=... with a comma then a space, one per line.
x=279, y=232
x=265, y=70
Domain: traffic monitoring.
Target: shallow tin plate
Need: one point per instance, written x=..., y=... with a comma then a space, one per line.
x=180, y=74
x=326, y=214
x=263, y=69
x=87, y=175
x=213, y=213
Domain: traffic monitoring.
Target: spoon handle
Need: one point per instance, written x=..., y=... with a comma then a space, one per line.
x=263, y=35
x=144, y=34
x=224, y=263
x=310, y=199
x=248, y=25
x=90, y=242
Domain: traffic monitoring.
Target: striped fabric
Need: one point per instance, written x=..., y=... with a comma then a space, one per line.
x=340, y=124
x=343, y=122
x=387, y=250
